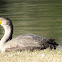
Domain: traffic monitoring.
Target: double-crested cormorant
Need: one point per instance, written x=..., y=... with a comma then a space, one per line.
x=22, y=42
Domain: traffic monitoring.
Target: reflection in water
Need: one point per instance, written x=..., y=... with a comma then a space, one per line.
x=34, y=16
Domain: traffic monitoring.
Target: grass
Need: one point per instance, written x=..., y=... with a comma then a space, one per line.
x=29, y=56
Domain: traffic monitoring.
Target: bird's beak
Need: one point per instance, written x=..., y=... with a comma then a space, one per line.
x=0, y=22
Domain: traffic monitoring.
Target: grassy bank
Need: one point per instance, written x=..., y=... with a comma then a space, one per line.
x=35, y=56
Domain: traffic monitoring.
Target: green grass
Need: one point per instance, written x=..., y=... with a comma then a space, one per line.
x=29, y=56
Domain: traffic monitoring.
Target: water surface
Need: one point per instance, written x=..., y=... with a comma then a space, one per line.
x=41, y=17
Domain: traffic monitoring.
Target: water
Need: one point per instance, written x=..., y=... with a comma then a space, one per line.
x=41, y=17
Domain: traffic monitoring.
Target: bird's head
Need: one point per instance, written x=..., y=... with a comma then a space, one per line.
x=5, y=21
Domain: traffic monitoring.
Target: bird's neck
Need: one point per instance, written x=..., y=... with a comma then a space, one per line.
x=7, y=35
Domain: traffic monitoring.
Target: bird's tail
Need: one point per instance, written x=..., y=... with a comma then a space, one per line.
x=52, y=43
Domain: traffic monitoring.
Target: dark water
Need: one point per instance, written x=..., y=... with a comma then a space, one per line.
x=41, y=17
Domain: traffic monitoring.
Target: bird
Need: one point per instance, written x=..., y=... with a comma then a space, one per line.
x=24, y=41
